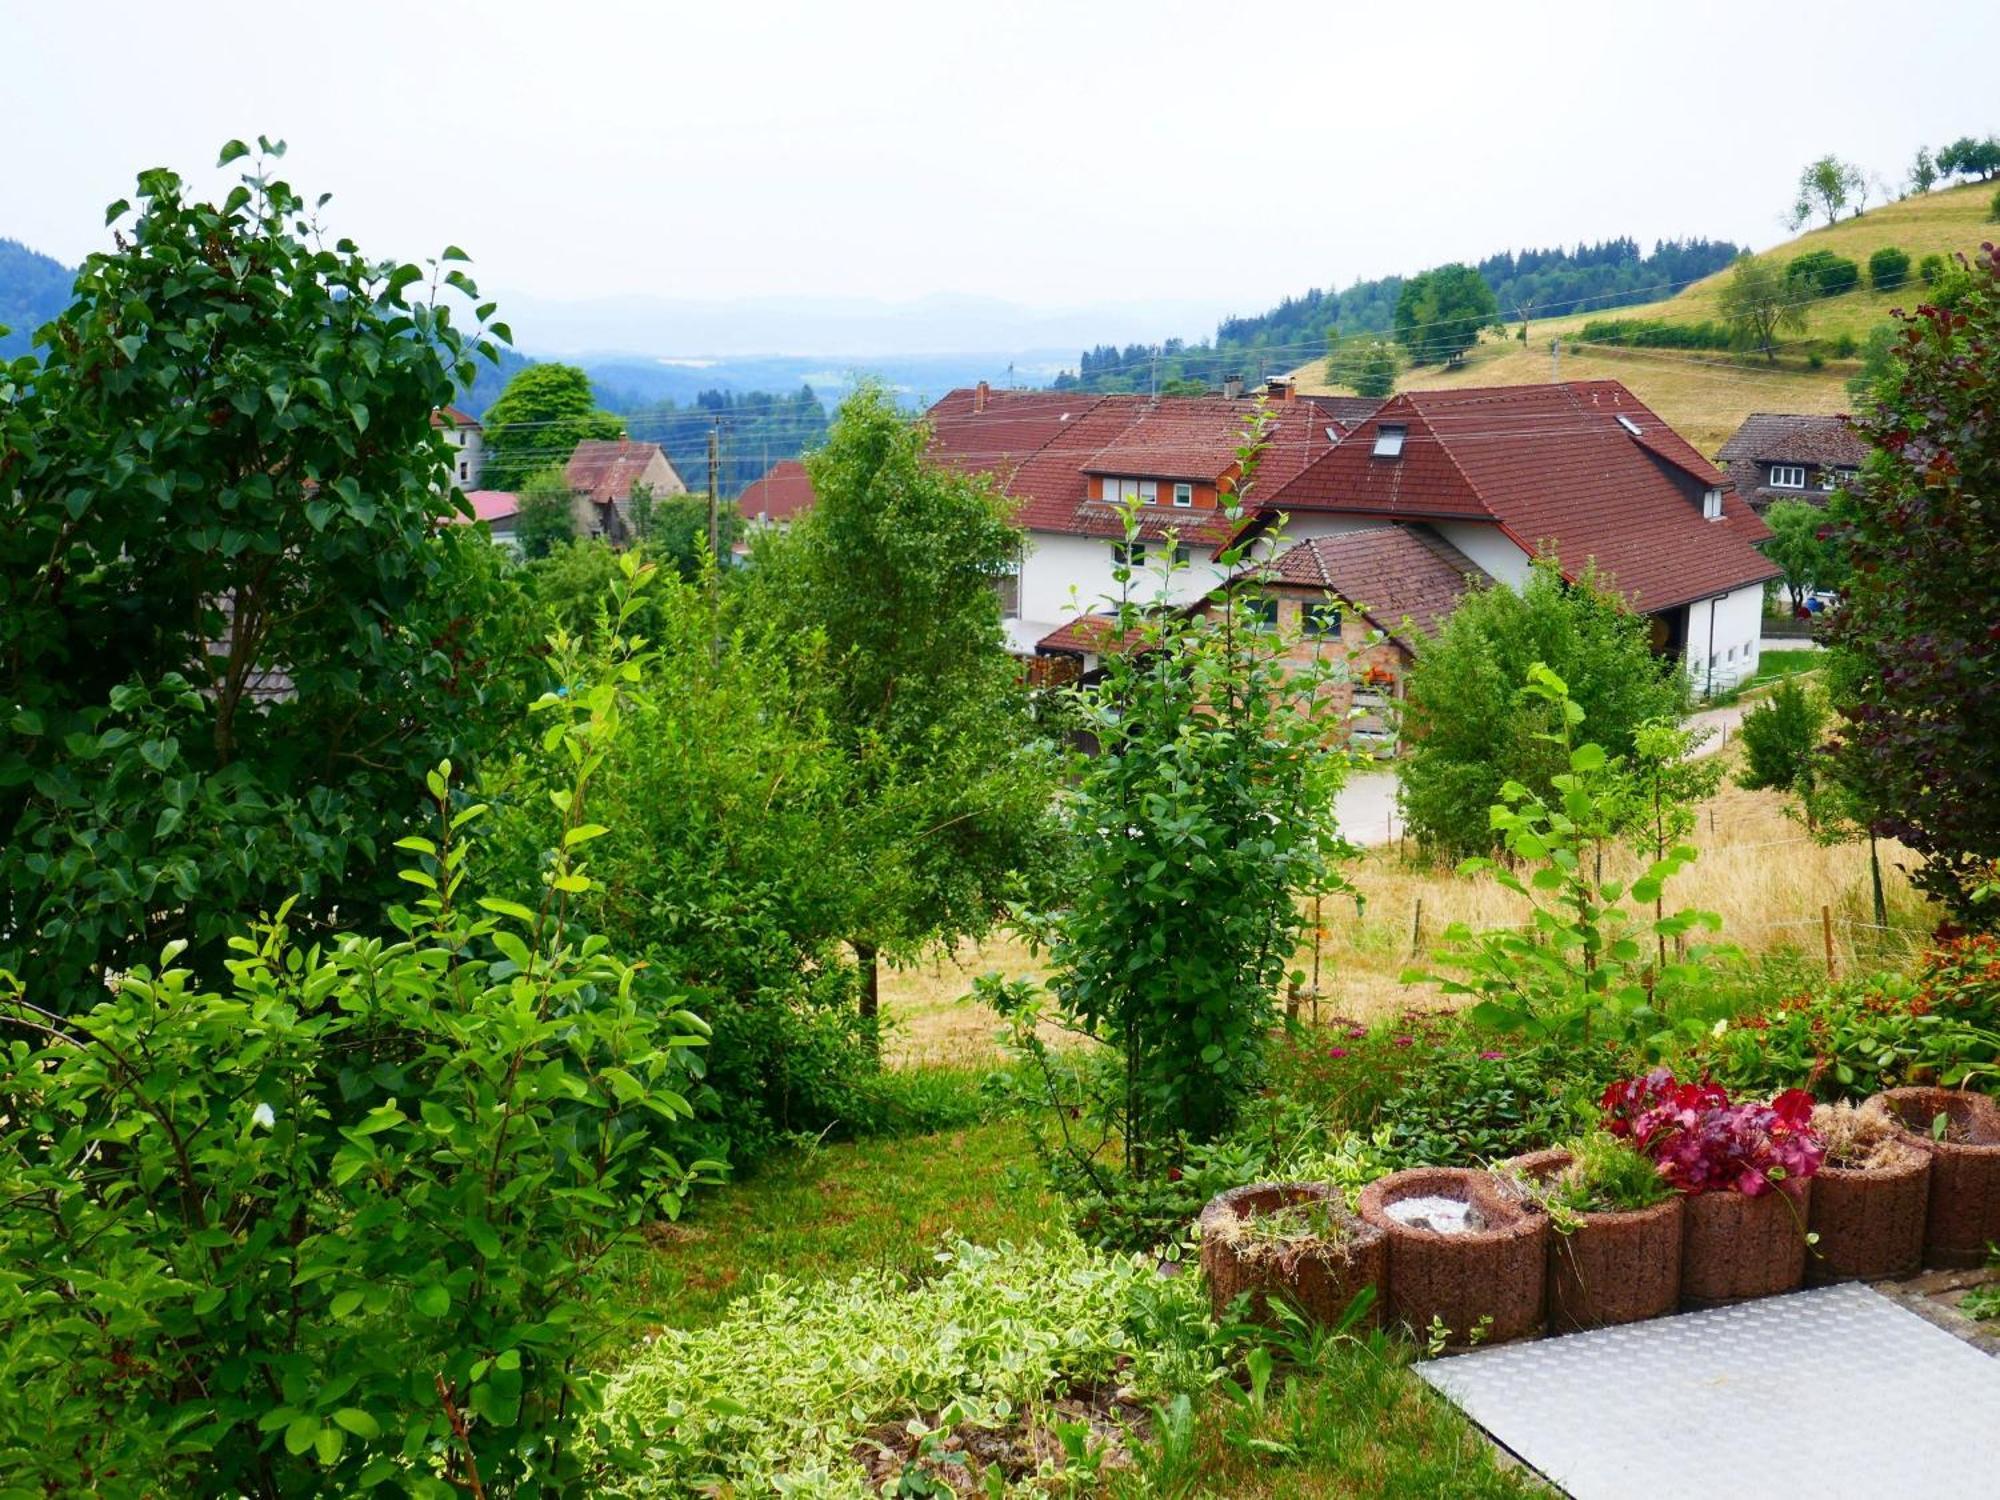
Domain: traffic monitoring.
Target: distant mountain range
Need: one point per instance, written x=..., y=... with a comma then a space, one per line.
x=33, y=288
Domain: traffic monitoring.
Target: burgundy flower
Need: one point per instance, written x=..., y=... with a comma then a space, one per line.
x=1356, y=1033
x=1489, y=1056
x=1406, y=1041
x=1336, y=1052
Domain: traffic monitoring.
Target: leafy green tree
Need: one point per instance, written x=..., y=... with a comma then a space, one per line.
x=1920, y=732
x=1440, y=313
x=1469, y=727
x=331, y=1226
x=1826, y=187
x=1367, y=366
x=1579, y=966
x=893, y=577
x=1759, y=301
x=1923, y=171
x=678, y=532
x=1877, y=360
x=1782, y=737
x=233, y=632
x=1969, y=156
x=1804, y=542
x=539, y=419
x=1206, y=816
x=547, y=517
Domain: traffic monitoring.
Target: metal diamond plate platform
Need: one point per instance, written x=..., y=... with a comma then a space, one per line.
x=1829, y=1393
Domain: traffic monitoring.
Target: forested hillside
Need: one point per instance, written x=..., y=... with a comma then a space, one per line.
x=757, y=429
x=1530, y=283
x=33, y=289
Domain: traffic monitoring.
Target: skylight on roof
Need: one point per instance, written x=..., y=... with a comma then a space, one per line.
x=1389, y=440
x=1628, y=424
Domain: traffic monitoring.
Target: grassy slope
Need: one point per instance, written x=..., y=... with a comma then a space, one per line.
x=1706, y=396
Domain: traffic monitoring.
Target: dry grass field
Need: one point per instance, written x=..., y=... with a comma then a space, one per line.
x=1758, y=870
x=1705, y=396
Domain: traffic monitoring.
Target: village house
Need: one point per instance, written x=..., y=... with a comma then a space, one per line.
x=1777, y=456
x=776, y=500
x=603, y=475
x=1581, y=472
x=1368, y=598
x=468, y=440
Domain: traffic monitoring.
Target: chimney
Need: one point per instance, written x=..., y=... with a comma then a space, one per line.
x=979, y=394
x=1278, y=388
x=1232, y=387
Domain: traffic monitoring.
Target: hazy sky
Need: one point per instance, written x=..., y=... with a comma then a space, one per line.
x=1054, y=154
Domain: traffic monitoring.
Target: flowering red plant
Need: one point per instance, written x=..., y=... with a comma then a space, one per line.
x=1703, y=1143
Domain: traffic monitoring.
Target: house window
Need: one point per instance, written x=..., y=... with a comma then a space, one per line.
x=1845, y=475
x=1183, y=495
x=1265, y=612
x=1788, y=476
x=1126, y=491
x=1322, y=619
x=1128, y=554
x=1181, y=555
x=464, y=471
x=1711, y=504
x=1008, y=586
x=1389, y=440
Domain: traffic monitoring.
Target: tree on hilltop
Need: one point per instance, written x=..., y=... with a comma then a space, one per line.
x=1826, y=187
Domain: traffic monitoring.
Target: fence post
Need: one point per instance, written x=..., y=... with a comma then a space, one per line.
x=1417, y=929
x=1826, y=931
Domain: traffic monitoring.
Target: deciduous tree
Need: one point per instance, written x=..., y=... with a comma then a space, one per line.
x=1826, y=187
x=1920, y=732
x=1440, y=313
x=1804, y=543
x=539, y=419
x=547, y=517
x=1759, y=301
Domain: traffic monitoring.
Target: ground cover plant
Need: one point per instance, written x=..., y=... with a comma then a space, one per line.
x=1604, y=1175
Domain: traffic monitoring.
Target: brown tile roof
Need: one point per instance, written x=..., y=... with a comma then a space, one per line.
x=464, y=421
x=1348, y=411
x=605, y=469
x=1558, y=471
x=1086, y=635
x=780, y=495
x=1782, y=437
x=1405, y=579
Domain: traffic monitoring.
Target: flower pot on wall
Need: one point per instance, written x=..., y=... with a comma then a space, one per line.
x=1735, y=1247
x=1963, y=1216
x=1486, y=1283
x=1870, y=1221
x=1320, y=1277
x=1609, y=1268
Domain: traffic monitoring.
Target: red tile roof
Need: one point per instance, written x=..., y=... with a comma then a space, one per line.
x=491, y=506
x=605, y=469
x=780, y=495
x=1783, y=437
x=1405, y=579
x=1086, y=635
x=459, y=419
x=1558, y=471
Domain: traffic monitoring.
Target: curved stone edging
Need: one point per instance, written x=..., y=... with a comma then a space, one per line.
x=1735, y=1247
x=1321, y=1279
x=1963, y=1216
x=1497, y=1273
x=1870, y=1223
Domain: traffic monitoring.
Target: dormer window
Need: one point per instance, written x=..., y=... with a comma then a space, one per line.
x=1183, y=495
x=1711, y=505
x=1788, y=476
x=1389, y=440
x=1128, y=491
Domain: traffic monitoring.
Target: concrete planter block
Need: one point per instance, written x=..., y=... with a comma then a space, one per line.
x=1963, y=1216
x=1321, y=1278
x=1497, y=1270
x=1735, y=1247
x=1870, y=1223
x=1611, y=1267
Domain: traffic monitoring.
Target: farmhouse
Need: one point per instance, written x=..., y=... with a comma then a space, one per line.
x=1582, y=472
x=604, y=473
x=1784, y=456
x=462, y=430
x=776, y=500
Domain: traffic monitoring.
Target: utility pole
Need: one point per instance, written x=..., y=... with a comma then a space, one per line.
x=714, y=542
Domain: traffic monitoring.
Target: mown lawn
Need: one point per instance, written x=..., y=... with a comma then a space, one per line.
x=831, y=1210
x=1786, y=663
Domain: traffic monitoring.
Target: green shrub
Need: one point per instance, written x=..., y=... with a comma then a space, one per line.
x=777, y=1396
x=1815, y=361
x=1888, y=268
x=1930, y=268
x=1993, y=212
x=1658, y=333
x=331, y=1224
x=1845, y=346
x=1821, y=273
